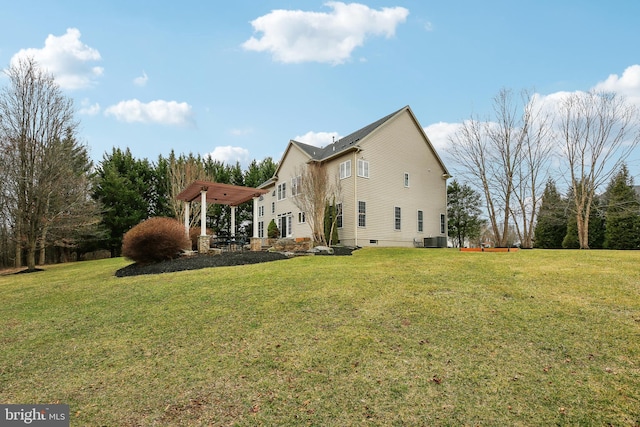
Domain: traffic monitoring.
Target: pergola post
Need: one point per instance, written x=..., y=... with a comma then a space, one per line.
x=255, y=217
x=203, y=240
x=186, y=217
x=233, y=222
x=203, y=212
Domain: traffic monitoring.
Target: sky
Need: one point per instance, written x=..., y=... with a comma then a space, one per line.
x=237, y=80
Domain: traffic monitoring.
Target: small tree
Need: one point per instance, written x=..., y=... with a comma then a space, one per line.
x=272, y=230
x=330, y=223
x=463, y=211
x=312, y=192
x=551, y=227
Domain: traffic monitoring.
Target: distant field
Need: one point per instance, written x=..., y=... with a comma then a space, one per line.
x=383, y=337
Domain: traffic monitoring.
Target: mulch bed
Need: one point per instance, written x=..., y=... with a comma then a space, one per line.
x=195, y=262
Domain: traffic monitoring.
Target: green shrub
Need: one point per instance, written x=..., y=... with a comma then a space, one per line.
x=272, y=230
x=154, y=240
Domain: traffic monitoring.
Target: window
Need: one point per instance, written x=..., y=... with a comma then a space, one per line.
x=301, y=218
x=420, y=221
x=362, y=214
x=296, y=184
x=273, y=207
x=345, y=169
x=339, y=215
x=406, y=179
x=260, y=210
x=442, y=223
x=282, y=191
x=260, y=228
x=398, y=218
x=363, y=168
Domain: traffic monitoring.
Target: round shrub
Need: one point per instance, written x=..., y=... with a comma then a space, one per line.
x=154, y=240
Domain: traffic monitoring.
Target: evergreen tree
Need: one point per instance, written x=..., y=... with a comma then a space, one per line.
x=622, y=213
x=125, y=188
x=464, y=210
x=551, y=227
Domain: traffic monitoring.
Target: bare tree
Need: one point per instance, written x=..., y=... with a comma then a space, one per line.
x=311, y=191
x=183, y=170
x=598, y=131
x=34, y=116
x=505, y=157
x=532, y=168
x=69, y=210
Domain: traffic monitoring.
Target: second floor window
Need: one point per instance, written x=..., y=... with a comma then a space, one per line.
x=406, y=179
x=282, y=191
x=296, y=185
x=345, y=169
x=363, y=168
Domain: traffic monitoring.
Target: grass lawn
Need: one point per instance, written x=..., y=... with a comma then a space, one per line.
x=383, y=337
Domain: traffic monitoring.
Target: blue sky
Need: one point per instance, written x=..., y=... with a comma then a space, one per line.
x=239, y=79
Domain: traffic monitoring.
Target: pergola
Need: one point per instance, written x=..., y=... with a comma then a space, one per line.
x=217, y=193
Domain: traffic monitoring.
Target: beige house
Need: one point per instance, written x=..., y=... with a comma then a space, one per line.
x=393, y=186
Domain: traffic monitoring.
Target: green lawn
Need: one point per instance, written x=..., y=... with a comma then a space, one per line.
x=384, y=337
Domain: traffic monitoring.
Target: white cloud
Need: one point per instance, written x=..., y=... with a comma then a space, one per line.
x=628, y=84
x=164, y=112
x=229, y=154
x=318, y=139
x=294, y=36
x=89, y=109
x=142, y=80
x=439, y=134
x=67, y=58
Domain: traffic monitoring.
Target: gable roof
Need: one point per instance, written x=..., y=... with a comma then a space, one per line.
x=349, y=143
x=352, y=140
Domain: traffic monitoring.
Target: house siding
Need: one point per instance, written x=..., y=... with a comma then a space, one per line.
x=396, y=147
x=292, y=162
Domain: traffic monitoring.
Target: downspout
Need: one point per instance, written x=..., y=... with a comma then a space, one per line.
x=355, y=195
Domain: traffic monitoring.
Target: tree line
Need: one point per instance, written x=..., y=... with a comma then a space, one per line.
x=56, y=205
x=582, y=139
x=614, y=218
